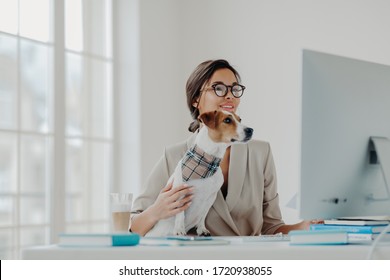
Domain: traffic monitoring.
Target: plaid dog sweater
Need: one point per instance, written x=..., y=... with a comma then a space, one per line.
x=197, y=164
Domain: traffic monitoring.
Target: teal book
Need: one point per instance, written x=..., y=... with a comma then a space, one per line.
x=310, y=237
x=348, y=228
x=98, y=239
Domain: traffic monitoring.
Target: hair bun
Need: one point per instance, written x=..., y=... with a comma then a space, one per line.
x=194, y=126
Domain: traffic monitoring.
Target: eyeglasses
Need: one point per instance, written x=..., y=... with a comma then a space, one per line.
x=221, y=90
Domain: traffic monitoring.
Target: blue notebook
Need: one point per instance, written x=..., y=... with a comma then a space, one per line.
x=98, y=239
x=348, y=228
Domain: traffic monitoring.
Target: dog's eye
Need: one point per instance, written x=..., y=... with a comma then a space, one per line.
x=227, y=120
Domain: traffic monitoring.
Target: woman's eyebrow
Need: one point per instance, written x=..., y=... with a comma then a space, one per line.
x=220, y=82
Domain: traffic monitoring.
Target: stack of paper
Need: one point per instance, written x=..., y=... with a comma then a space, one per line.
x=310, y=237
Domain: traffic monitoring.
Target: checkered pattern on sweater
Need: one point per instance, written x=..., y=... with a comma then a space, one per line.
x=198, y=164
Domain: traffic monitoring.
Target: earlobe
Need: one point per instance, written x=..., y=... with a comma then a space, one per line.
x=195, y=104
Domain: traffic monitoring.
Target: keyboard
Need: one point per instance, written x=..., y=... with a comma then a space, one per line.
x=254, y=239
x=266, y=238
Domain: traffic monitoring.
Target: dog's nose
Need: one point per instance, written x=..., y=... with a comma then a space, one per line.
x=248, y=131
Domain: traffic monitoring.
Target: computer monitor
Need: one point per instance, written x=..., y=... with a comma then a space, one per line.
x=345, y=102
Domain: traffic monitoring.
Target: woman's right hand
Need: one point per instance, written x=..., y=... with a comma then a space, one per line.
x=172, y=201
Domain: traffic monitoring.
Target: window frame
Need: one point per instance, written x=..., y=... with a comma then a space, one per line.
x=125, y=158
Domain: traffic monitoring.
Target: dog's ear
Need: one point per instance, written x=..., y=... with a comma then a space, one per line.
x=209, y=119
x=237, y=117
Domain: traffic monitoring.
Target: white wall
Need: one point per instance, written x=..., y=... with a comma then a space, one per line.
x=162, y=89
x=263, y=39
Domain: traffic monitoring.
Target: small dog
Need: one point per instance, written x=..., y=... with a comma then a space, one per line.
x=200, y=168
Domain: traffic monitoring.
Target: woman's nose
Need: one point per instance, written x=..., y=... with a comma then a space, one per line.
x=229, y=94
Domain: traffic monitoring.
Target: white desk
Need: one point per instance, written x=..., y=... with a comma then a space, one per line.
x=248, y=251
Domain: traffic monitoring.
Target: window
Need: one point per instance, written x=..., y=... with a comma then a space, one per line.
x=56, y=120
x=88, y=125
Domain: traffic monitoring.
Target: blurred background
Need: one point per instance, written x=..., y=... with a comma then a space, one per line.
x=91, y=91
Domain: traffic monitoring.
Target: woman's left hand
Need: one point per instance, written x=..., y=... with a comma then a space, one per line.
x=306, y=223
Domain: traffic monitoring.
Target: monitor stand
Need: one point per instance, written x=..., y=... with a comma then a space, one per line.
x=380, y=153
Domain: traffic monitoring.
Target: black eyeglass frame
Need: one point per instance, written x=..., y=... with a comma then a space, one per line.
x=213, y=87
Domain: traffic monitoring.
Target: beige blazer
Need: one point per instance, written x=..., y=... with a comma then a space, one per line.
x=252, y=203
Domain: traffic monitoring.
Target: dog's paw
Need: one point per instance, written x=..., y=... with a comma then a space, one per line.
x=179, y=231
x=202, y=232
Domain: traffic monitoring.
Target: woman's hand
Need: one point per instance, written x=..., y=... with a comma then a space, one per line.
x=169, y=202
x=172, y=201
x=306, y=224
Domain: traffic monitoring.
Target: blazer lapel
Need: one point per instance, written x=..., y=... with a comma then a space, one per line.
x=221, y=208
x=237, y=170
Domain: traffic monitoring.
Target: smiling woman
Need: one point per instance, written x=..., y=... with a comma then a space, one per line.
x=214, y=94
x=247, y=202
x=207, y=79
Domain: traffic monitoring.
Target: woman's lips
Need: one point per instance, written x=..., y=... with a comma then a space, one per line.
x=227, y=107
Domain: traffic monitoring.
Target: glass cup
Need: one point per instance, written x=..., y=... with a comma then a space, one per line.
x=120, y=211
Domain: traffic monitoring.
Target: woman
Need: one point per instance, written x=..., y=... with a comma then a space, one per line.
x=248, y=203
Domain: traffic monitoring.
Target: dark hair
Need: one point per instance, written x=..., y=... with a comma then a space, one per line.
x=201, y=75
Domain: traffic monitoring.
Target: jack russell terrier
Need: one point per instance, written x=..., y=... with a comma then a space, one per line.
x=200, y=168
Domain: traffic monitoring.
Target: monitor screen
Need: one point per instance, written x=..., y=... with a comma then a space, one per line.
x=344, y=102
